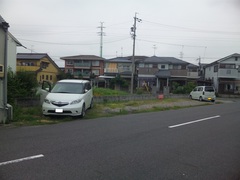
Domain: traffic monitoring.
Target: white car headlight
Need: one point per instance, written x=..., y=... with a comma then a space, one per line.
x=47, y=101
x=76, y=101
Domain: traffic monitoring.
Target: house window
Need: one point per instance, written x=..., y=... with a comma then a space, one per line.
x=43, y=76
x=95, y=63
x=216, y=68
x=95, y=72
x=162, y=66
x=46, y=77
x=69, y=62
x=50, y=77
x=177, y=67
x=44, y=65
x=148, y=65
x=227, y=66
x=141, y=65
x=236, y=58
x=86, y=72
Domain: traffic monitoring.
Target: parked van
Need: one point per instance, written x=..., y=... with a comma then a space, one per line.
x=206, y=93
x=68, y=97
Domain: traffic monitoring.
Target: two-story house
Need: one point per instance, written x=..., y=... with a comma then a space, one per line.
x=160, y=72
x=155, y=72
x=84, y=66
x=121, y=66
x=118, y=66
x=3, y=65
x=39, y=63
x=225, y=74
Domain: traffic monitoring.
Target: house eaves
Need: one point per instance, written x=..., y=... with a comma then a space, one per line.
x=118, y=60
x=3, y=24
x=223, y=59
x=15, y=40
x=82, y=57
x=31, y=56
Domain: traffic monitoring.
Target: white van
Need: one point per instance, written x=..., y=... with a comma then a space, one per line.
x=68, y=97
x=206, y=93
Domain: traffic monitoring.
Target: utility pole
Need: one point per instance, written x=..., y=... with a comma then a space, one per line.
x=101, y=34
x=181, y=53
x=133, y=33
x=154, y=49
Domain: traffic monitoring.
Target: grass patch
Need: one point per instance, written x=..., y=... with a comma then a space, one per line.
x=107, y=92
x=33, y=115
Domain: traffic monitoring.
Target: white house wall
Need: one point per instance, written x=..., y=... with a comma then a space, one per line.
x=2, y=43
x=210, y=74
x=12, y=54
x=231, y=61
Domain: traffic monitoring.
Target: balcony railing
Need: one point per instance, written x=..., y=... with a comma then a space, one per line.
x=179, y=72
x=82, y=64
x=193, y=75
x=228, y=73
x=153, y=71
x=27, y=68
x=116, y=70
x=150, y=71
x=79, y=73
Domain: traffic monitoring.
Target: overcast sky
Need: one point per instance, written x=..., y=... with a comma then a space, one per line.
x=185, y=29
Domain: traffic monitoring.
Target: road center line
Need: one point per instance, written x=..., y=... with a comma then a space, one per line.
x=191, y=122
x=22, y=159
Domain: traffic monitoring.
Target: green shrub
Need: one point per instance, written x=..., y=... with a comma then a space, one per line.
x=20, y=85
x=107, y=92
x=185, y=89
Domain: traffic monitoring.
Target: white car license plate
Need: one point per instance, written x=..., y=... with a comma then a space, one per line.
x=58, y=110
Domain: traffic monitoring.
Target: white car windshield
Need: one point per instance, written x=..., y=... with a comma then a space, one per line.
x=70, y=88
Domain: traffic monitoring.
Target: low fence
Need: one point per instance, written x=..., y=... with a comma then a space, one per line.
x=36, y=101
x=28, y=102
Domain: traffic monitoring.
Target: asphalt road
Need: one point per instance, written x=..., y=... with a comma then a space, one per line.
x=193, y=143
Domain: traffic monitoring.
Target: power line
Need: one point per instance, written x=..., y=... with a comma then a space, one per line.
x=195, y=30
x=72, y=44
x=172, y=44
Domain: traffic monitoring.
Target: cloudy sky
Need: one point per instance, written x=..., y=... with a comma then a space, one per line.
x=185, y=29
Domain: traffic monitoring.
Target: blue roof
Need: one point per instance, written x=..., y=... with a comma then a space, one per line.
x=168, y=60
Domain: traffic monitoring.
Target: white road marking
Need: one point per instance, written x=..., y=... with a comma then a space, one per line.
x=22, y=159
x=191, y=122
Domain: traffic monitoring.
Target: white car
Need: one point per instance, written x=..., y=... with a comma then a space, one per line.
x=68, y=97
x=203, y=93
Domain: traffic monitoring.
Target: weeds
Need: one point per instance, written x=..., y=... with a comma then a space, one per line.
x=33, y=115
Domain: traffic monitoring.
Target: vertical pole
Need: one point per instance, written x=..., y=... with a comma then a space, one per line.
x=101, y=33
x=133, y=55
